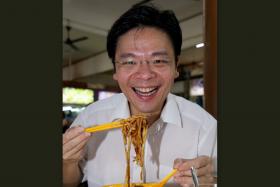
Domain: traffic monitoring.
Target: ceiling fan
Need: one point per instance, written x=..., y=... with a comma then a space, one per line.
x=70, y=41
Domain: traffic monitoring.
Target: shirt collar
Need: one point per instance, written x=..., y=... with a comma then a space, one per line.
x=170, y=112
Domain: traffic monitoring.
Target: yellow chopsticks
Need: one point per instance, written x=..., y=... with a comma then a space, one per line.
x=167, y=177
x=105, y=126
x=115, y=124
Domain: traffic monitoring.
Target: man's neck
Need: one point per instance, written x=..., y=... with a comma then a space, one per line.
x=151, y=117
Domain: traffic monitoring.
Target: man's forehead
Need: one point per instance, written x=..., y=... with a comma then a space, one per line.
x=143, y=33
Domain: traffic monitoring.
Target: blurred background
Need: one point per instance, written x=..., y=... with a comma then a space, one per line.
x=87, y=70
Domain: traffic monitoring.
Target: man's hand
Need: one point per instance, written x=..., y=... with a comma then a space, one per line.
x=204, y=170
x=74, y=141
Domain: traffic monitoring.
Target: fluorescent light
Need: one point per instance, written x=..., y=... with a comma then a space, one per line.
x=72, y=109
x=65, y=108
x=199, y=45
x=75, y=110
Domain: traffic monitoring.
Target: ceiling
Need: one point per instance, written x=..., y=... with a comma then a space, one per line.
x=93, y=19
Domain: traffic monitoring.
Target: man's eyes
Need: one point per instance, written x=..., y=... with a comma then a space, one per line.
x=152, y=62
x=129, y=62
x=160, y=62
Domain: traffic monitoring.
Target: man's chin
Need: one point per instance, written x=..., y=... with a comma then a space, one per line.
x=142, y=106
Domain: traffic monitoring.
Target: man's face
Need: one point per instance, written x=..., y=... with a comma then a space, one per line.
x=145, y=68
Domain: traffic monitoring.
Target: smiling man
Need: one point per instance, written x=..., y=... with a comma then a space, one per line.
x=145, y=68
x=144, y=45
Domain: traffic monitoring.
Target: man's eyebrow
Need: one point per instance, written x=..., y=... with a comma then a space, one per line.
x=126, y=55
x=159, y=53
x=132, y=55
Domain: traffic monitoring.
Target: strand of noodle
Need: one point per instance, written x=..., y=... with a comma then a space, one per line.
x=128, y=163
x=144, y=134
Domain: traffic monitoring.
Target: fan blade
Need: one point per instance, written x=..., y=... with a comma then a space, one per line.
x=68, y=28
x=68, y=41
x=80, y=39
x=74, y=47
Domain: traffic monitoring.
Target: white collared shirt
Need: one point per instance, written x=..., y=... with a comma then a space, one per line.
x=184, y=130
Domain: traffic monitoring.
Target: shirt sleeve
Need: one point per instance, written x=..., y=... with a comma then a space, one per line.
x=79, y=120
x=208, y=139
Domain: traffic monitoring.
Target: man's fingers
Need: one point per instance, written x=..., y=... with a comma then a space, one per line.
x=71, y=153
x=188, y=181
x=72, y=133
x=203, y=166
x=197, y=163
x=75, y=157
x=178, y=162
x=202, y=161
x=184, y=173
x=207, y=181
x=75, y=142
x=206, y=170
x=183, y=180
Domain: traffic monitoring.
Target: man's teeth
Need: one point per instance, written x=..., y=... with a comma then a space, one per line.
x=146, y=91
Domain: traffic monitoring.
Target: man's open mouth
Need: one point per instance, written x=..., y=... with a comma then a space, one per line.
x=145, y=91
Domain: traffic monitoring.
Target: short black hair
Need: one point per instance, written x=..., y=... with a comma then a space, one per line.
x=145, y=15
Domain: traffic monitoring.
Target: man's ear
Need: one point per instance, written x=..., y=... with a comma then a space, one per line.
x=115, y=77
x=176, y=73
x=177, y=65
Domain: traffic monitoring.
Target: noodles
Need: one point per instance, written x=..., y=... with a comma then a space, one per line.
x=135, y=132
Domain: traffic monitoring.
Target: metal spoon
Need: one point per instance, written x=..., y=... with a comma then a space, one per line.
x=194, y=176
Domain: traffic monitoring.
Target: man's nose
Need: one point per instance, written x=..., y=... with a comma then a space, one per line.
x=145, y=71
